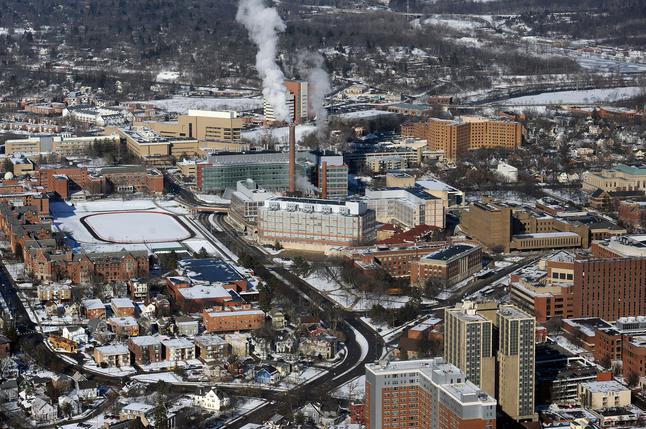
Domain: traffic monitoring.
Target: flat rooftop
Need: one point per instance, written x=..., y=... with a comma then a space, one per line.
x=211, y=270
x=449, y=252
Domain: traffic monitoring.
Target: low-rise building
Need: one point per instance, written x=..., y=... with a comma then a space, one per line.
x=122, y=307
x=447, y=266
x=145, y=349
x=138, y=289
x=601, y=395
x=54, y=292
x=232, y=319
x=211, y=348
x=112, y=356
x=177, y=350
x=406, y=206
x=93, y=309
x=124, y=326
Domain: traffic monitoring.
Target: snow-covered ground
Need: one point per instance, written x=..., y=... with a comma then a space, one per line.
x=181, y=104
x=279, y=133
x=350, y=298
x=353, y=390
x=364, y=114
x=137, y=227
x=167, y=377
x=582, y=96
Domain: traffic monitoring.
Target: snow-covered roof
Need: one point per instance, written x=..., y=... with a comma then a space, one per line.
x=122, y=303
x=116, y=349
x=178, y=343
x=604, y=386
x=93, y=304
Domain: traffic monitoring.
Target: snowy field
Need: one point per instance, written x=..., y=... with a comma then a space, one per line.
x=179, y=104
x=145, y=226
x=136, y=227
x=583, y=96
x=364, y=114
x=279, y=133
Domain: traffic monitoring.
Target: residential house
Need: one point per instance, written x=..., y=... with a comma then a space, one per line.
x=186, y=326
x=322, y=346
x=98, y=329
x=77, y=334
x=42, y=411
x=87, y=390
x=138, y=289
x=267, y=374
x=261, y=347
x=278, y=319
x=9, y=390
x=54, y=292
x=211, y=400
x=285, y=342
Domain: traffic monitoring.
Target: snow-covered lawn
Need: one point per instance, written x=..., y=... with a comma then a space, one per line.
x=350, y=298
x=181, y=104
x=137, y=227
x=364, y=114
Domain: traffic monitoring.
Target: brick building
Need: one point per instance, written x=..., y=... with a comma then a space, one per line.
x=424, y=394
x=447, y=266
x=609, y=288
x=145, y=350
x=633, y=213
x=234, y=319
x=112, y=356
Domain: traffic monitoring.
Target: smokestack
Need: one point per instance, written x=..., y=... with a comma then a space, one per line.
x=292, y=159
x=324, y=180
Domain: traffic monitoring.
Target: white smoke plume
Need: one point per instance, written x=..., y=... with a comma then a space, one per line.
x=310, y=66
x=263, y=24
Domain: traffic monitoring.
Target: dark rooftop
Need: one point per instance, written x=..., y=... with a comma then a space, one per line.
x=210, y=270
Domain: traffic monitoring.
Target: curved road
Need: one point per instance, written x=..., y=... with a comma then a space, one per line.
x=359, y=352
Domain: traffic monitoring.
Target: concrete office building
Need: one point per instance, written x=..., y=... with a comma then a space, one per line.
x=468, y=338
x=516, y=362
x=245, y=201
x=154, y=149
x=494, y=219
x=312, y=224
x=618, y=178
x=214, y=130
x=447, y=266
x=406, y=206
x=424, y=394
x=61, y=144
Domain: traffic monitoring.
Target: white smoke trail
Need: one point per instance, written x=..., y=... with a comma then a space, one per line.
x=310, y=65
x=263, y=24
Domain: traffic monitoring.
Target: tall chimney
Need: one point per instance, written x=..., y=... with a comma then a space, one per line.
x=324, y=180
x=292, y=159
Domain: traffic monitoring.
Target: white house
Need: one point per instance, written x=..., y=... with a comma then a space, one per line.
x=77, y=335
x=42, y=411
x=211, y=400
